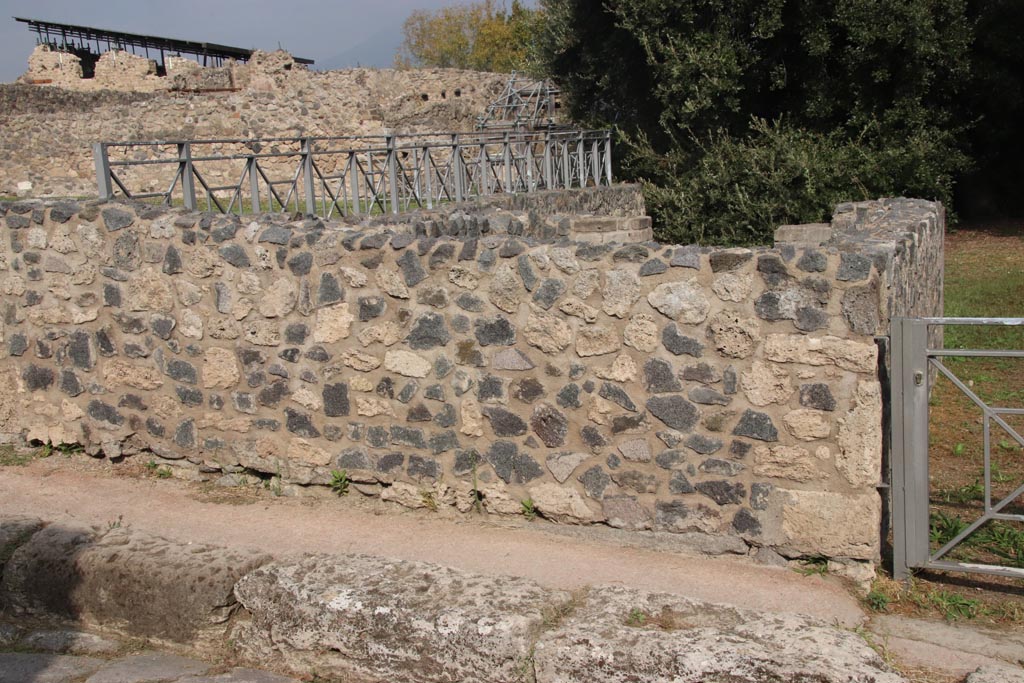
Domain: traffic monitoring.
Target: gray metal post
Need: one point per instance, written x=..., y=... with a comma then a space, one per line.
x=507, y=161
x=581, y=157
x=254, y=187
x=427, y=183
x=595, y=162
x=104, y=185
x=353, y=179
x=307, y=175
x=608, y=156
x=458, y=169
x=392, y=164
x=566, y=170
x=188, y=178
x=549, y=169
x=898, y=452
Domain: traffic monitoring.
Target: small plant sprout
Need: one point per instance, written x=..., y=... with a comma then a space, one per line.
x=164, y=473
x=339, y=482
x=959, y=449
x=529, y=509
x=636, y=617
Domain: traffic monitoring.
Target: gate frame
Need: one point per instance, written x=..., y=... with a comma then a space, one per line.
x=910, y=390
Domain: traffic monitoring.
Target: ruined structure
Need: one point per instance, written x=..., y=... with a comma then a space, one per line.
x=484, y=357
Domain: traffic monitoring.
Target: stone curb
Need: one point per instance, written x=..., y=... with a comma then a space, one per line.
x=376, y=618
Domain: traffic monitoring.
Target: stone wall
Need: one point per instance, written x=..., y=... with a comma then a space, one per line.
x=49, y=129
x=642, y=386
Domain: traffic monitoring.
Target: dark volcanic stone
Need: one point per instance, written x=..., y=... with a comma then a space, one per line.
x=729, y=380
x=385, y=387
x=759, y=495
x=812, y=261
x=428, y=332
x=465, y=461
x=705, y=445
x=235, y=255
x=632, y=253
x=686, y=257
x=817, y=396
x=548, y=293
x=440, y=256
x=722, y=492
x=595, y=480
x=629, y=423
x=412, y=271
x=318, y=354
x=669, y=514
x=669, y=460
x=636, y=481
x=469, y=302
x=378, y=437
x=659, y=377
x=189, y=396
x=756, y=426
x=653, y=267
x=299, y=423
x=329, y=291
x=446, y=416
x=182, y=371
x=353, y=459
x=494, y=331
x=810, y=318
x=162, y=325
x=116, y=219
x=616, y=395
x=408, y=436
x=421, y=467
x=853, y=267
x=442, y=442
x=679, y=344
x=272, y=394
x=390, y=462
x=527, y=390
x=172, y=261
x=133, y=402
x=80, y=350
x=301, y=263
x=371, y=307
x=185, y=434
x=729, y=260
x=550, y=425
x=111, y=295
x=104, y=344
x=679, y=484
x=37, y=378
x=408, y=391
x=569, y=396
x=504, y=422
x=336, y=401
x=511, y=465
x=104, y=412
x=739, y=449
x=276, y=234
x=419, y=413
x=434, y=392
x=69, y=383
x=593, y=438
x=701, y=372
x=490, y=387
x=721, y=467
x=746, y=523
x=17, y=345
x=674, y=411
x=708, y=396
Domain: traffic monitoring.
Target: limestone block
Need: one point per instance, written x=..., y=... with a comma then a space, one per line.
x=733, y=287
x=387, y=333
x=149, y=291
x=407, y=363
x=786, y=462
x=732, y=334
x=391, y=283
x=576, y=308
x=220, y=369
x=472, y=418
x=808, y=424
x=279, y=299
x=843, y=353
x=370, y=406
x=125, y=373
x=357, y=360
x=597, y=341
x=860, y=437
x=621, y=291
x=586, y=283
x=561, y=504
x=683, y=301
x=766, y=383
x=825, y=523
x=641, y=333
x=390, y=620
x=332, y=324
x=547, y=332
x=506, y=291
x=623, y=369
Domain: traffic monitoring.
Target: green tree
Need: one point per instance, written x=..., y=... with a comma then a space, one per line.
x=743, y=114
x=480, y=36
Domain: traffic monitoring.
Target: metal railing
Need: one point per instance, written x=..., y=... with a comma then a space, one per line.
x=915, y=365
x=332, y=176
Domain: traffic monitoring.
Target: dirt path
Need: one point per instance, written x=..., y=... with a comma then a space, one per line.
x=57, y=490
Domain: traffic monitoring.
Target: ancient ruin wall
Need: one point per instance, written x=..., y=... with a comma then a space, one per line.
x=46, y=147
x=642, y=386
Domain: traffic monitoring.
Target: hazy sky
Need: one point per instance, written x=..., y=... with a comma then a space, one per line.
x=332, y=32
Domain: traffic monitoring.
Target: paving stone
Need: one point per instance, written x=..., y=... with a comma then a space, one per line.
x=148, y=668
x=18, y=667
x=240, y=675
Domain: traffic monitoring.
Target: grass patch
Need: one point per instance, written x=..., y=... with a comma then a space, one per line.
x=16, y=457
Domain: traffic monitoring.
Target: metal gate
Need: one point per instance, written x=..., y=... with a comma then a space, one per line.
x=915, y=367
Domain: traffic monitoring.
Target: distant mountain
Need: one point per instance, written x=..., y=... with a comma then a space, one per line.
x=376, y=50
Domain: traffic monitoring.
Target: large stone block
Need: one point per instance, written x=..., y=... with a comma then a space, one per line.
x=391, y=620
x=621, y=635
x=147, y=585
x=824, y=523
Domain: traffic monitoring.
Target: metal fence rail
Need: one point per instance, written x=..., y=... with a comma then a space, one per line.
x=914, y=365
x=332, y=176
